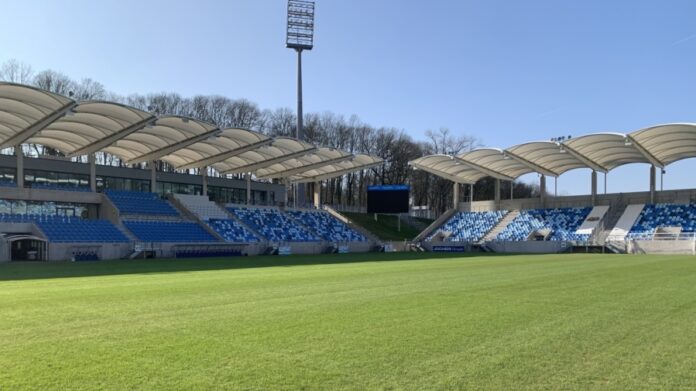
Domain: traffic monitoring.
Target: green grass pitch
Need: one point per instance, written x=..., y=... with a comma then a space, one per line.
x=359, y=321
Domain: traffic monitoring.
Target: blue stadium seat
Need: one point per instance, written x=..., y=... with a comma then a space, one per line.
x=563, y=222
x=140, y=203
x=72, y=229
x=469, y=226
x=274, y=225
x=232, y=231
x=328, y=227
x=654, y=216
x=168, y=231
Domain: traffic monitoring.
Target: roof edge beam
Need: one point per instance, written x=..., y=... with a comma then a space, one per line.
x=533, y=166
x=269, y=162
x=297, y=170
x=336, y=173
x=154, y=155
x=584, y=159
x=27, y=133
x=225, y=155
x=105, y=142
x=643, y=151
x=441, y=174
x=487, y=171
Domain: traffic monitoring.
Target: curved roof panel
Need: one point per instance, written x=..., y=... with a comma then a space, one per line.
x=667, y=143
x=320, y=157
x=91, y=126
x=228, y=143
x=282, y=148
x=356, y=163
x=24, y=110
x=545, y=157
x=494, y=162
x=448, y=167
x=167, y=134
x=604, y=151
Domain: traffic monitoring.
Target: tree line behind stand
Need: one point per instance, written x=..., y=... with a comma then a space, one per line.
x=325, y=129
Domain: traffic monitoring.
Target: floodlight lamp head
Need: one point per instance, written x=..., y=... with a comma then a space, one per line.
x=300, y=27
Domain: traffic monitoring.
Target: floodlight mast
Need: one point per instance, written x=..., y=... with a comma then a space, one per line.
x=300, y=36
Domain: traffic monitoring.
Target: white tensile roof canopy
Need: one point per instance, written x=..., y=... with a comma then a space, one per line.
x=658, y=145
x=32, y=115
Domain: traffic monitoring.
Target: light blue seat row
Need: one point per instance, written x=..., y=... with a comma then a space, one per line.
x=168, y=231
x=469, y=226
x=274, y=225
x=563, y=222
x=232, y=231
x=654, y=216
x=328, y=227
x=141, y=203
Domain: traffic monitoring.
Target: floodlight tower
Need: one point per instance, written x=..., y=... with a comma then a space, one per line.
x=300, y=36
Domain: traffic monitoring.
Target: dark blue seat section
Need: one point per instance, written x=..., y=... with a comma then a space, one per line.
x=232, y=231
x=327, y=226
x=205, y=253
x=7, y=183
x=55, y=186
x=141, y=203
x=71, y=229
x=274, y=225
x=654, y=216
x=168, y=231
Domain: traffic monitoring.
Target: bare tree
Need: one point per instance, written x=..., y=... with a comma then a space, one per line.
x=16, y=72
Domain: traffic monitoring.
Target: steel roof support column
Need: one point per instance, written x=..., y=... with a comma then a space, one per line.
x=153, y=176
x=92, y=171
x=247, y=176
x=594, y=187
x=317, y=194
x=19, y=153
x=204, y=180
x=497, y=193
x=542, y=190
x=455, y=196
x=652, y=184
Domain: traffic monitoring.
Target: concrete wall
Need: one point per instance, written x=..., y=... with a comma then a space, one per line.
x=528, y=247
x=661, y=247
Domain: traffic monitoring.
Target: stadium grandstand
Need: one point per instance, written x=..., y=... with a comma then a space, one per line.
x=60, y=208
x=651, y=221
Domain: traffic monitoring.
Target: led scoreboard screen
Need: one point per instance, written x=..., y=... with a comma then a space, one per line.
x=387, y=199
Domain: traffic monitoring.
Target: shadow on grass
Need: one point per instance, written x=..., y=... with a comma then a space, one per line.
x=43, y=270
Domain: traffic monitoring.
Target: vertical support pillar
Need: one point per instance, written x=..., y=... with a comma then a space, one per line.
x=542, y=190
x=605, y=183
x=496, y=194
x=317, y=194
x=153, y=176
x=248, y=188
x=512, y=190
x=92, y=172
x=652, y=184
x=455, y=196
x=594, y=187
x=19, y=153
x=204, y=181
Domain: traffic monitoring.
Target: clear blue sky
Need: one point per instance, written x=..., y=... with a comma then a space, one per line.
x=505, y=72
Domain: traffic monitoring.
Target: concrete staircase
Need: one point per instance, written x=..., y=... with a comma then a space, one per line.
x=435, y=224
x=498, y=228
